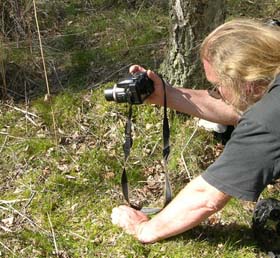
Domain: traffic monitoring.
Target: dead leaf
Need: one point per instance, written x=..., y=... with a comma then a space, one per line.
x=8, y=222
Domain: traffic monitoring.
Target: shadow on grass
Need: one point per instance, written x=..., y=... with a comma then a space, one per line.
x=233, y=235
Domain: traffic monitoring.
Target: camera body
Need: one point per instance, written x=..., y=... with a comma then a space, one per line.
x=133, y=90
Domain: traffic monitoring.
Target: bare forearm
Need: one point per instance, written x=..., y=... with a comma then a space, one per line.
x=197, y=201
x=193, y=102
x=188, y=209
x=200, y=104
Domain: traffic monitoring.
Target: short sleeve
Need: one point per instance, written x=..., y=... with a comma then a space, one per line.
x=246, y=165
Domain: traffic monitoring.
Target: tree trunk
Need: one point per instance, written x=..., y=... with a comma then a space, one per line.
x=191, y=21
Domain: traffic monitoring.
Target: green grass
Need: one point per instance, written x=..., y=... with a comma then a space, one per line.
x=95, y=42
x=61, y=170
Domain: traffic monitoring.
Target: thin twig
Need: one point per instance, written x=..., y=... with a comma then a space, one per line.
x=3, y=75
x=26, y=106
x=4, y=208
x=27, y=114
x=30, y=200
x=77, y=235
x=53, y=236
x=22, y=215
x=5, y=229
x=56, y=75
x=16, y=137
x=30, y=120
x=6, y=247
x=69, y=154
x=27, y=218
x=41, y=47
x=22, y=42
x=154, y=148
x=12, y=91
x=45, y=69
x=95, y=86
x=142, y=4
x=12, y=201
x=4, y=143
x=21, y=110
x=182, y=153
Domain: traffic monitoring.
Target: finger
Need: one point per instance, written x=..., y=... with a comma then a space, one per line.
x=136, y=68
x=113, y=219
x=115, y=210
x=154, y=77
x=121, y=207
x=115, y=215
x=124, y=208
x=118, y=212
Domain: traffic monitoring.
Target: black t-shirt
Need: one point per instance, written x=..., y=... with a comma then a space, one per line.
x=251, y=158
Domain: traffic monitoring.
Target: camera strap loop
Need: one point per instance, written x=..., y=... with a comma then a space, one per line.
x=166, y=151
x=126, y=148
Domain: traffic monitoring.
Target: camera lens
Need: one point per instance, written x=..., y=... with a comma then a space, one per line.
x=108, y=93
x=116, y=94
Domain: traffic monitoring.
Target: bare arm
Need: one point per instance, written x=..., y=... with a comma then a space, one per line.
x=197, y=201
x=200, y=104
x=193, y=102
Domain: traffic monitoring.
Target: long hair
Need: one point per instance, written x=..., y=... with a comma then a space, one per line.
x=244, y=52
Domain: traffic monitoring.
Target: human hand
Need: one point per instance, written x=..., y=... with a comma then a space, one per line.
x=131, y=220
x=157, y=96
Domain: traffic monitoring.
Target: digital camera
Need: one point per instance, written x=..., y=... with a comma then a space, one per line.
x=133, y=90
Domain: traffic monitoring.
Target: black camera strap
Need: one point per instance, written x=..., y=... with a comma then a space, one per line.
x=165, y=153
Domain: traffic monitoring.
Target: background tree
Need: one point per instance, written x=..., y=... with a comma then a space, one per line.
x=191, y=21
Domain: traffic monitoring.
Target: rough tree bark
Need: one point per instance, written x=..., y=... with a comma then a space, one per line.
x=191, y=21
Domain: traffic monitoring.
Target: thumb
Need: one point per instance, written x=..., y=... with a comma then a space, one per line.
x=135, y=69
x=154, y=77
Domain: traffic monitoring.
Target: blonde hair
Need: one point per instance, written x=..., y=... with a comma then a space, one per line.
x=244, y=52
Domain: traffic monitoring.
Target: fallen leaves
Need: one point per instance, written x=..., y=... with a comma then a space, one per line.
x=211, y=153
x=7, y=223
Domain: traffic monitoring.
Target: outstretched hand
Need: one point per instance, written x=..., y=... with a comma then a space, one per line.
x=131, y=220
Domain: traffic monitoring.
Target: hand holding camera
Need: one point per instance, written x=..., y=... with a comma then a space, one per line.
x=133, y=90
x=157, y=96
x=143, y=85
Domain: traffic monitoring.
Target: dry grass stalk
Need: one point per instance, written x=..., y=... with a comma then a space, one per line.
x=7, y=248
x=44, y=67
x=182, y=153
x=53, y=236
